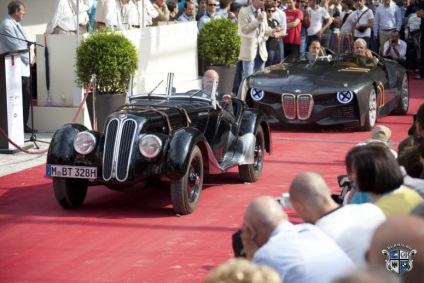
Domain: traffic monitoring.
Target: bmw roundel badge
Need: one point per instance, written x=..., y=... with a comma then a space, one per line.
x=257, y=94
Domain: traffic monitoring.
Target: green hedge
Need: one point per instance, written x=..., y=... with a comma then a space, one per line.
x=111, y=57
x=219, y=43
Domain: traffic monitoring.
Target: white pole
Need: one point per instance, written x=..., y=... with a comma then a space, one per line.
x=142, y=14
x=78, y=34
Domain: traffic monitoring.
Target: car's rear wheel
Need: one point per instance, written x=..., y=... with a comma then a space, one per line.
x=371, y=116
x=185, y=192
x=402, y=108
x=252, y=172
x=70, y=193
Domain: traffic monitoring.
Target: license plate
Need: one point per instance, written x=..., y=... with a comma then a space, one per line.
x=65, y=171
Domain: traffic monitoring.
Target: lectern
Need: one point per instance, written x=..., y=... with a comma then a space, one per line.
x=11, y=120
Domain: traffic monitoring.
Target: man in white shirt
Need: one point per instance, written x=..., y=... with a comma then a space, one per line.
x=364, y=19
x=299, y=253
x=395, y=48
x=318, y=15
x=106, y=14
x=137, y=16
x=63, y=18
x=350, y=226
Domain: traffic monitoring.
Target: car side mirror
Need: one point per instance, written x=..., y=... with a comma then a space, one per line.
x=227, y=99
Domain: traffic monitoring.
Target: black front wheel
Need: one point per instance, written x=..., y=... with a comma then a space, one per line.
x=70, y=193
x=185, y=192
x=251, y=172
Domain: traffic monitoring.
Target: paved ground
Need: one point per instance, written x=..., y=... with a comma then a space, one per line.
x=11, y=163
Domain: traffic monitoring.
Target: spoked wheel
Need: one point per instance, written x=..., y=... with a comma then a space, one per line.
x=371, y=117
x=70, y=193
x=402, y=108
x=251, y=172
x=185, y=192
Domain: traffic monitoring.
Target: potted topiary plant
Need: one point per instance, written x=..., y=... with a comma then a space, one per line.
x=219, y=46
x=113, y=59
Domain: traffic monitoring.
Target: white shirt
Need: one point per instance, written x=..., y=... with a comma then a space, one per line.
x=62, y=15
x=303, y=253
x=352, y=227
x=149, y=13
x=107, y=13
x=317, y=17
x=363, y=21
x=348, y=24
x=280, y=16
x=401, y=48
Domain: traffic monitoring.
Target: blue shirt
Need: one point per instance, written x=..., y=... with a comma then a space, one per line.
x=387, y=18
x=303, y=253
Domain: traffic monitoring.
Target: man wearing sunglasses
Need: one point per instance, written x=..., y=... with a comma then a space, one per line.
x=253, y=28
x=210, y=14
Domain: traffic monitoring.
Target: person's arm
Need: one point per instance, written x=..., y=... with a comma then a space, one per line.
x=327, y=24
x=246, y=25
x=376, y=23
x=53, y=16
x=387, y=48
x=398, y=17
x=293, y=24
x=307, y=19
x=163, y=12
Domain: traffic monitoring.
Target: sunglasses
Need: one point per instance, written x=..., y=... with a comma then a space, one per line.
x=211, y=5
x=270, y=11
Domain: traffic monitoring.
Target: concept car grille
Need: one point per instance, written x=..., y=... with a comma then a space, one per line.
x=119, y=143
x=299, y=106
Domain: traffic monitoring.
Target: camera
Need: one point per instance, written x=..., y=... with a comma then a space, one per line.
x=346, y=186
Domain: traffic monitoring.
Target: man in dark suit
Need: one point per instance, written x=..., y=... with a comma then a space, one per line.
x=12, y=38
x=227, y=108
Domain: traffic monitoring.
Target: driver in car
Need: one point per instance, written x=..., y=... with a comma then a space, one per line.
x=365, y=56
x=227, y=109
x=314, y=51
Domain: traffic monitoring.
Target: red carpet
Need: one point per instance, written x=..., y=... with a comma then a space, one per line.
x=136, y=237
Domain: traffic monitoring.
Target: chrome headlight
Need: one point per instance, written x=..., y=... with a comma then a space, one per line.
x=345, y=96
x=84, y=143
x=150, y=146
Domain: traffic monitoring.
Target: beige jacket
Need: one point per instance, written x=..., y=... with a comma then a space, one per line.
x=252, y=35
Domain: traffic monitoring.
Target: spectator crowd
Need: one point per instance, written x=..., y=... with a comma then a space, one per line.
x=336, y=242
x=342, y=241
x=270, y=30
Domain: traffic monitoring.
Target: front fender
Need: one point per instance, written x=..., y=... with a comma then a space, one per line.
x=61, y=150
x=180, y=148
x=252, y=118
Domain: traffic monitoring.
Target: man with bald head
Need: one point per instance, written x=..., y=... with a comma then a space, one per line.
x=299, y=253
x=407, y=230
x=350, y=226
x=227, y=108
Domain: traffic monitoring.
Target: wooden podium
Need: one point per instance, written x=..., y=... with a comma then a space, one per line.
x=11, y=120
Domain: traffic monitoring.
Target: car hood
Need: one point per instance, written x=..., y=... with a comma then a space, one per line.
x=310, y=78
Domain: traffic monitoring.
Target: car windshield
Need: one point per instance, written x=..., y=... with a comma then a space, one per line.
x=171, y=85
x=308, y=58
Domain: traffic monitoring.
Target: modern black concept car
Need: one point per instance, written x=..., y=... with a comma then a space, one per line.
x=327, y=90
x=175, y=134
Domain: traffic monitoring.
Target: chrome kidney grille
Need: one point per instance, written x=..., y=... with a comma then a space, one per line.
x=297, y=106
x=119, y=142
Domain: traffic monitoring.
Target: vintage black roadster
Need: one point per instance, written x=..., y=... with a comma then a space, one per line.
x=172, y=134
x=329, y=89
